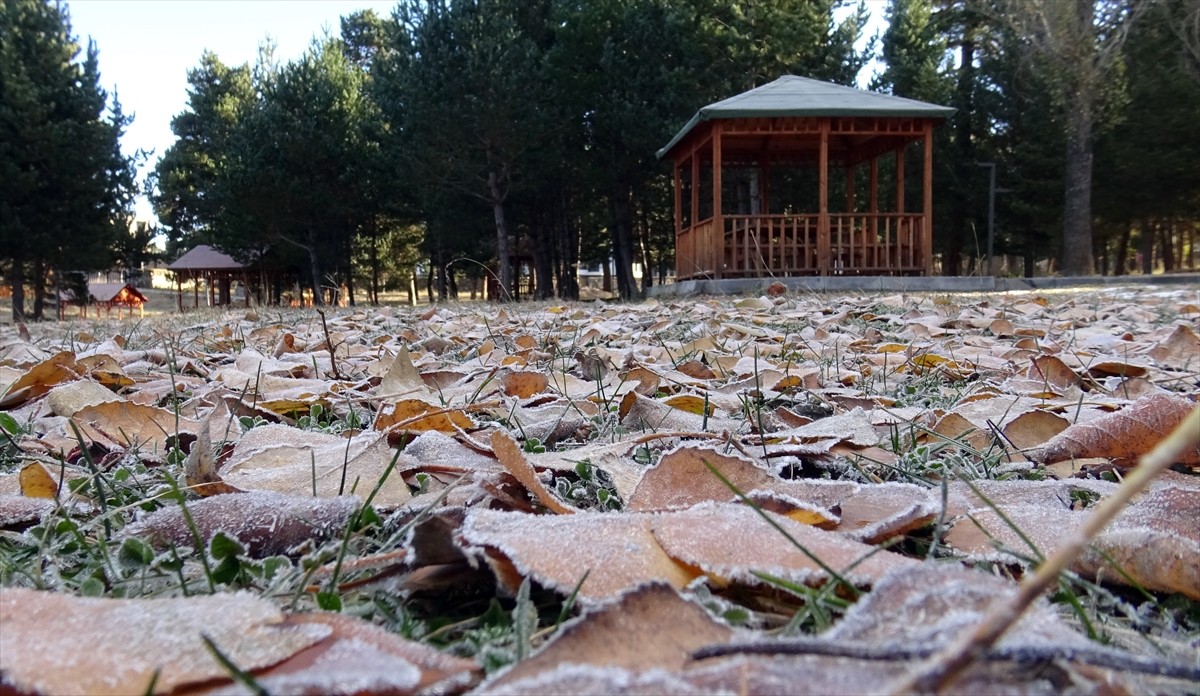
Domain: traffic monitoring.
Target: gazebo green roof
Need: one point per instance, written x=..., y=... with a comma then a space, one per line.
x=800, y=96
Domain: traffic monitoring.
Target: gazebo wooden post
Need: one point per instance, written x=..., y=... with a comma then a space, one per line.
x=196, y=290
x=718, y=226
x=695, y=217
x=873, y=205
x=823, y=246
x=678, y=216
x=902, y=258
x=179, y=291
x=927, y=190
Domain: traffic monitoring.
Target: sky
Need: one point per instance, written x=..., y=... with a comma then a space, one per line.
x=147, y=46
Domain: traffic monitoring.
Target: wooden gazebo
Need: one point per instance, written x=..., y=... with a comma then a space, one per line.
x=216, y=269
x=745, y=168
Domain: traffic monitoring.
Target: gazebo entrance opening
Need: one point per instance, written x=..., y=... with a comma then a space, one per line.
x=801, y=177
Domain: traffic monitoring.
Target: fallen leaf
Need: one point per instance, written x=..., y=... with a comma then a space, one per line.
x=50, y=640
x=1123, y=435
x=648, y=627
x=615, y=551
x=700, y=538
x=266, y=523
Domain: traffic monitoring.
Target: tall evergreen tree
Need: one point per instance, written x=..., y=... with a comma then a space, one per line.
x=67, y=188
x=185, y=192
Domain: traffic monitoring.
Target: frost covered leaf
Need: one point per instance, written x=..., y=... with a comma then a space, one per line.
x=642, y=413
x=200, y=466
x=729, y=543
x=40, y=378
x=1181, y=349
x=645, y=628
x=682, y=479
x=299, y=462
x=402, y=377
x=360, y=658
x=415, y=415
x=1123, y=435
x=875, y=513
x=128, y=425
x=50, y=640
x=510, y=455
x=18, y=511
x=524, y=383
x=1154, y=541
x=927, y=604
x=265, y=523
x=68, y=398
x=617, y=551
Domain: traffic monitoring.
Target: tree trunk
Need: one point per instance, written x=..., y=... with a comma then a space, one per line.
x=568, y=283
x=503, y=247
x=38, y=278
x=622, y=242
x=1168, y=249
x=1077, y=206
x=960, y=201
x=314, y=261
x=1122, y=264
x=1146, y=247
x=17, y=276
x=543, y=261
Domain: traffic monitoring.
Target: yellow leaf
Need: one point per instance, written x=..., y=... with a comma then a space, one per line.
x=809, y=517
x=36, y=482
x=892, y=348
x=692, y=404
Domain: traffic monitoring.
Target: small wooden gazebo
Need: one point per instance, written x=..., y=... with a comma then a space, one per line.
x=745, y=168
x=216, y=269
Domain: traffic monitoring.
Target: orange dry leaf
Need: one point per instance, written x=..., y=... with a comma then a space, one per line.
x=123, y=424
x=648, y=627
x=730, y=543
x=52, y=642
x=1123, y=435
x=615, y=550
x=1155, y=541
x=37, y=482
x=39, y=379
x=361, y=658
x=417, y=416
x=524, y=383
x=510, y=455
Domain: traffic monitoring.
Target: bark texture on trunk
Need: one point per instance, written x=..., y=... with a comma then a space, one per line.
x=503, y=248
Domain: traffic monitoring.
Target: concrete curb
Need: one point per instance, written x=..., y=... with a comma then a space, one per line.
x=953, y=284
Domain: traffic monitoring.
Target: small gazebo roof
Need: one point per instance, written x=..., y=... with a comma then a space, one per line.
x=115, y=292
x=800, y=96
x=205, y=258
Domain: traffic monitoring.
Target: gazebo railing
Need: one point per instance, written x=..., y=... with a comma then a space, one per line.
x=791, y=245
x=875, y=243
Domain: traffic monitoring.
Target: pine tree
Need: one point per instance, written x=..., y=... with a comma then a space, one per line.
x=68, y=189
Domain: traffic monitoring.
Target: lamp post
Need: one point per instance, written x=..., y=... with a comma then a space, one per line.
x=992, y=191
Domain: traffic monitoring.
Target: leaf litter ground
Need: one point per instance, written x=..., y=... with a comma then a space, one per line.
x=792, y=494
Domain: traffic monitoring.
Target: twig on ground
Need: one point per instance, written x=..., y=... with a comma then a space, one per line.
x=942, y=668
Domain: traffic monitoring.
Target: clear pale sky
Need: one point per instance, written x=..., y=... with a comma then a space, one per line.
x=147, y=46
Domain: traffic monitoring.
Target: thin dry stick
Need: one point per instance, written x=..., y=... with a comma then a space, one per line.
x=329, y=344
x=941, y=669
